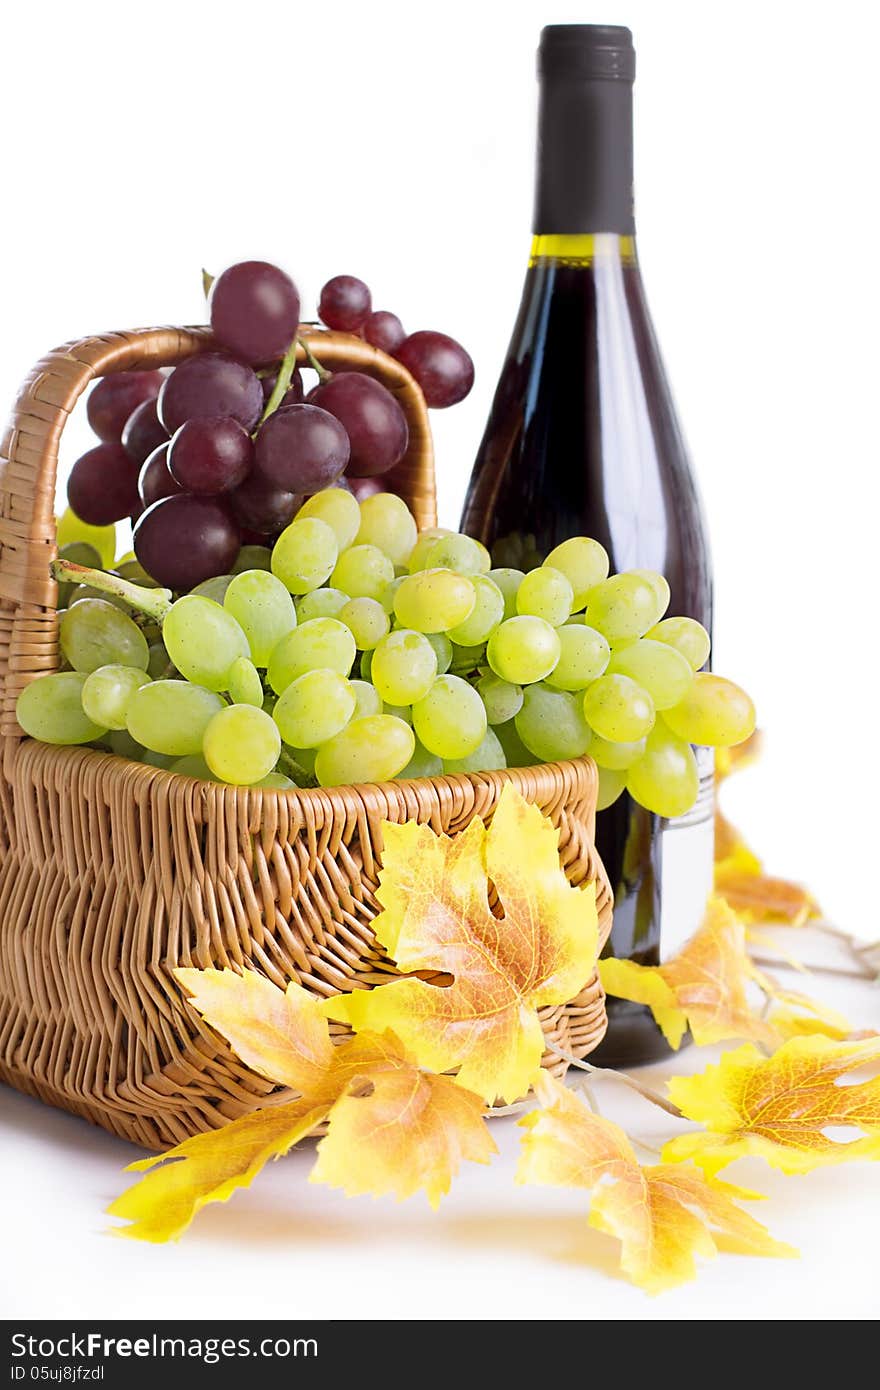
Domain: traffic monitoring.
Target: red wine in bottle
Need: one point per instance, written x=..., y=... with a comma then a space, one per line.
x=583, y=439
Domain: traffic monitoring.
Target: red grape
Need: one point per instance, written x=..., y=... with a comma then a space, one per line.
x=143, y=432
x=366, y=487
x=210, y=385
x=294, y=395
x=262, y=508
x=375, y=423
x=345, y=303
x=255, y=311
x=384, y=330
x=182, y=540
x=155, y=480
x=440, y=365
x=103, y=485
x=301, y=449
x=113, y=399
x=210, y=455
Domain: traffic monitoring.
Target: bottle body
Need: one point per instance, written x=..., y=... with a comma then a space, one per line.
x=583, y=439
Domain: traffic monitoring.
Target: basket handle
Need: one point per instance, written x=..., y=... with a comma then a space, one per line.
x=29, y=464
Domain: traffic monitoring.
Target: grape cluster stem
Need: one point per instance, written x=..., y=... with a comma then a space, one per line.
x=152, y=603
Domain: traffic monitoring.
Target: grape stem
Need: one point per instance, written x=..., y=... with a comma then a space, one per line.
x=207, y=281
x=323, y=374
x=292, y=769
x=645, y=1091
x=279, y=390
x=153, y=603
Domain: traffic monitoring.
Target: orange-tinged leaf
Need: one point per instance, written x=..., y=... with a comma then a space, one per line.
x=663, y=1215
x=398, y=1129
x=209, y=1168
x=539, y=948
x=779, y=1107
x=703, y=988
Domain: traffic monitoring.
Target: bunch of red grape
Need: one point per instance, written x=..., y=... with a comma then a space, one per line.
x=224, y=449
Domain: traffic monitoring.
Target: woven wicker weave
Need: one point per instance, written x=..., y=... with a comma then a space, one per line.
x=113, y=873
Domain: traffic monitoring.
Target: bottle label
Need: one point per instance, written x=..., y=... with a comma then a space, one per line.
x=688, y=854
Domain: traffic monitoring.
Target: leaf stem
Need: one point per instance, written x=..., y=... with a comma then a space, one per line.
x=153, y=603
x=644, y=1091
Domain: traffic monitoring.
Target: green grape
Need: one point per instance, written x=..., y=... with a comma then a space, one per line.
x=467, y=659
x=70, y=529
x=615, y=756
x=450, y=720
x=84, y=591
x=618, y=709
x=314, y=707
x=203, y=639
x=157, y=662
x=50, y=709
x=659, y=584
x=665, y=779
x=657, y=668
x=107, y=693
x=551, y=724
x=403, y=712
x=365, y=666
x=455, y=552
x=583, y=656
x=253, y=557
x=320, y=603
x=276, y=781
x=622, y=607
x=611, y=784
x=687, y=636
x=484, y=617
x=363, y=571
x=320, y=643
x=367, y=699
x=367, y=619
x=374, y=749
x=386, y=521
x=78, y=553
x=584, y=563
x=714, y=712
x=305, y=554
x=170, y=717
x=152, y=759
x=241, y=745
x=304, y=759
x=404, y=666
x=243, y=683
x=338, y=509
x=423, y=764
x=515, y=751
x=485, y=558
x=442, y=650
x=488, y=756
x=135, y=574
x=508, y=581
x=546, y=593
x=193, y=765
x=523, y=650
x=434, y=600
x=123, y=745
x=214, y=588
x=423, y=545
x=502, y=699
x=389, y=592
x=263, y=609
x=94, y=633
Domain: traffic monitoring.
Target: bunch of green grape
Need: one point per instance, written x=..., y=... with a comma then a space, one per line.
x=360, y=650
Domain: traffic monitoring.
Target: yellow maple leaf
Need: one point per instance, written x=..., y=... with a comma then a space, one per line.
x=702, y=988
x=538, y=947
x=391, y=1127
x=663, y=1215
x=779, y=1107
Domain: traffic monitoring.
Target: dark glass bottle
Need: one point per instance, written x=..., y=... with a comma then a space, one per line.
x=583, y=439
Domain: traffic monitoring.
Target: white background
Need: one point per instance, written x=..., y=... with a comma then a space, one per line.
x=394, y=141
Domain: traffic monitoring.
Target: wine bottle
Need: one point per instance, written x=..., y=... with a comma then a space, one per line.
x=583, y=439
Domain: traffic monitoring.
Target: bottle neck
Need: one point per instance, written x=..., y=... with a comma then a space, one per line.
x=583, y=250
x=584, y=179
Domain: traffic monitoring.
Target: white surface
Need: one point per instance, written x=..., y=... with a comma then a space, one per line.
x=287, y=1249
x=395, y=141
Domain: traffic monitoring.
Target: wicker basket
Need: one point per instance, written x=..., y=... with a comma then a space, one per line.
x=113, y=873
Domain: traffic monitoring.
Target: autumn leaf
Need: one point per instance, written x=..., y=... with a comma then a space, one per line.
x=538, y=948
x=392, y=1128
x=663, y=1215
x=778, y=1108
x=702, y=988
